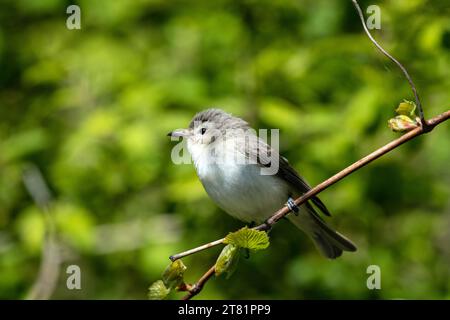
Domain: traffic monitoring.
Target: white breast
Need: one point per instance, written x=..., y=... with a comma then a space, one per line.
x=239, y=189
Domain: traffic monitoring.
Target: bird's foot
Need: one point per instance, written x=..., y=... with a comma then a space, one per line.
x=292, y=206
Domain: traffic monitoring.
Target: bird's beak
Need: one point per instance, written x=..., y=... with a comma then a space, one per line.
x=179, y=133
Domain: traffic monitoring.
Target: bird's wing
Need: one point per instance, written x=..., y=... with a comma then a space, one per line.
x=289, y=174
x=251, y=149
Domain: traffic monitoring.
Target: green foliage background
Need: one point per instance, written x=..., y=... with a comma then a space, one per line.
x=92, y=107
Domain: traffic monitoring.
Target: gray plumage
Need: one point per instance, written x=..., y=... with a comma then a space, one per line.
x=241, y=190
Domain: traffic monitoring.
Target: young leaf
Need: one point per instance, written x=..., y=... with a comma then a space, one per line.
x=406, y=108
x=228, y=260
x=402, y=123
x=158, y=291
x=248, y=238
x=173, y=275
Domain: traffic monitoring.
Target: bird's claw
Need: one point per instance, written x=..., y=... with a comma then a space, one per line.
x=292, y=206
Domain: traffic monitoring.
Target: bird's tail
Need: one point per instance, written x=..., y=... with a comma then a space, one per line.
x=329, y=242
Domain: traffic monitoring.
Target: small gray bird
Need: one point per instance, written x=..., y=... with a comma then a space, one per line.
x=229, y=158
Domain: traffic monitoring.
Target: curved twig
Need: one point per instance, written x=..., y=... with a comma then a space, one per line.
x=423, y=122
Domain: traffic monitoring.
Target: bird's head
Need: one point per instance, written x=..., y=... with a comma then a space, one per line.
x=208, y=126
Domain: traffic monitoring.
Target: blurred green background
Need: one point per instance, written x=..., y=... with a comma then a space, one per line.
x=90, y=110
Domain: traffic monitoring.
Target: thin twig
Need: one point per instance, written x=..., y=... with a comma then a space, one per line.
x=405, y=72
x=195, y=250
x=198, y=286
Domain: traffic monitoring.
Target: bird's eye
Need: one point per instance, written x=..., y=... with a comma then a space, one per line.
x=202, y=130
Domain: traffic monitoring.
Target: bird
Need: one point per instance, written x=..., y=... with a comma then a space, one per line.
x=229, y=159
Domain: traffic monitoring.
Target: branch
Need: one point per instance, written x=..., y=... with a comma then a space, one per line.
x=423, y=122
x=195, y=250
x=330, y=181
x=197, y=287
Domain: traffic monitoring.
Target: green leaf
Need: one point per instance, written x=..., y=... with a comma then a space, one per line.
x=406, y=108
x=402, y=123
x=173, y=275
x=158, y=291
x=228, y=260
x=248, y=238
